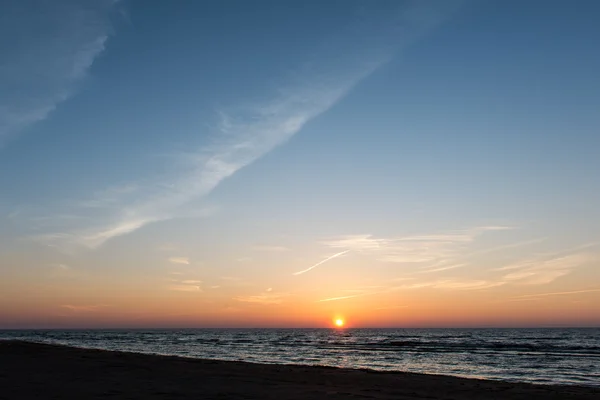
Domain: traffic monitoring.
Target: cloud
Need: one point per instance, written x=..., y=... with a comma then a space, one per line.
x=452, y=284
x=185, y=285
x=531, y=277
x=538, y=270
x=491, y=228
x=50, y=47
x=321, y=262
x=540, y=295
x=466, y=285
x=246, y=133
x=445, y=284
x=358, y=292
x=357, y=243
x=446, y=268
x=179, y=260
x=339, y=298
x=266, y=298
x=433, y=249
x=542, y=270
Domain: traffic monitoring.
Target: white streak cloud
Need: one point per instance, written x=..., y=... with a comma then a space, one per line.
x=445, y=268
x=339, y=298
x=191, y=282
x=245, y=134
x=266, y=298
x=47, y=50
x=433, y=249
x=540, y=271
x=540, y=295
x=453, y=284
x=336, y=255
x=180, y=260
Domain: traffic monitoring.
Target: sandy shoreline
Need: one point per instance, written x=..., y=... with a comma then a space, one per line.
x=40, y=371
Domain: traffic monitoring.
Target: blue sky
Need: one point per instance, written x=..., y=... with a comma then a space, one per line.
x=301, y=130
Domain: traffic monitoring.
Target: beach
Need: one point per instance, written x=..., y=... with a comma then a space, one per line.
x=43, y=371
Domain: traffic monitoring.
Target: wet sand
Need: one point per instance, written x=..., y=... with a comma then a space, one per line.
x=40, y=371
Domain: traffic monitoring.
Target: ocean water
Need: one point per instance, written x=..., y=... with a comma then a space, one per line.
x=559, y=356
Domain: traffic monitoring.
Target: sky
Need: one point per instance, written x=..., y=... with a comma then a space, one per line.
x=288, y=163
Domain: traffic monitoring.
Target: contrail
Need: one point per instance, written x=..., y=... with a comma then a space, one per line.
x=321, y=262
x=556, y=294
x=339, y=298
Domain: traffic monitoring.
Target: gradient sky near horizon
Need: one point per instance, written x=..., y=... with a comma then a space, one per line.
x=286, y=163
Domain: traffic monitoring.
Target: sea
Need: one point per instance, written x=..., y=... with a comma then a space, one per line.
x=546, y=356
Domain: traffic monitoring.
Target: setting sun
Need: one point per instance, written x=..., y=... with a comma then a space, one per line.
x=339, y=322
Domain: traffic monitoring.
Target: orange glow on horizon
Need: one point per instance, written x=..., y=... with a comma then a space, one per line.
x=151, y=304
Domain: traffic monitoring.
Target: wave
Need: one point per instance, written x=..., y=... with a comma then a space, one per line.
x=463, y=346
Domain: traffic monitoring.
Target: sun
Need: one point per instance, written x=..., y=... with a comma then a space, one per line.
x=339, y=322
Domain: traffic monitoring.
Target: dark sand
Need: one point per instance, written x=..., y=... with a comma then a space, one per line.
x=38, y=371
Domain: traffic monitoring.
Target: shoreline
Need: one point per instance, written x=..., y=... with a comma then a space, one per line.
x=31, y=370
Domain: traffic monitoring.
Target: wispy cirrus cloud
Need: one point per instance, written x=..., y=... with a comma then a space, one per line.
x=542, y=270
x=50, y=46
x=239, y=142
x=185, y=285
x=445, y=268
x=536, y=270
x=552, y=294
x=465, y=284
x=443, y=284
x=451, y=251
x=265, y=298
x=431, y=249
x=246, y=133
x=179, y=260
x=191, y=282
x=450, y=284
